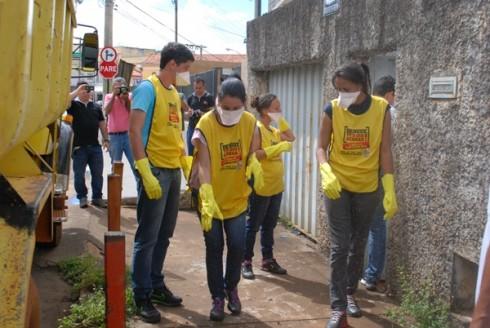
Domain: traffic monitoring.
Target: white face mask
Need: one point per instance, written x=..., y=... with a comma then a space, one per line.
x=275, y=116
x=183, y=79
x=348, y=98
x=230, y=117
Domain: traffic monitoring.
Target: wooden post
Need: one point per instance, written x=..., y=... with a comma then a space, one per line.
x=114, y=186
x=115, y=279
x=117, y=168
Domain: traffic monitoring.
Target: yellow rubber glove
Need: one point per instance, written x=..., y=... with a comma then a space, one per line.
x=389, y=201
x=330, y=184
x=283, y=124
x=277, y=149
x=255, y=168
x=209, y=207
x=186, y=163
x=150, y=182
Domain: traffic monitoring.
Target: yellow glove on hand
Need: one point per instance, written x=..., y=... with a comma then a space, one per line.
x=255, y=168
x=283, y=124
x=330, y=184
x=186, y=163
x=389, y=201
x=150, y=182
x=209, y=207
x=277, y=149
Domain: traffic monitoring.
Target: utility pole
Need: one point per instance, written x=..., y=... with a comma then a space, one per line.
x=109, y=10
x=176, y=3
x=196, y=46
x=258, y=8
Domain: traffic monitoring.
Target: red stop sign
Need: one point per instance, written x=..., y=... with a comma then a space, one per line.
x=108, y=69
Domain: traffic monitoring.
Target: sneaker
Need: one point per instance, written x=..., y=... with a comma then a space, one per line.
x=271, y=265
x=146, y=310
x=234, y=304
x=83, y=202
x=165, y=297
x=99, y=203
x=338, y=319
x=353, y=309
x=368, y=285
x=217, y=310
x=247, y=271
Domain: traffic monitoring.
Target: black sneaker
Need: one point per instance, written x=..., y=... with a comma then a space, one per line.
x=271, y=265
x=146, y=310
x=353, y=309
x=165, y=297
x=234, y=304
x=217, y=310
x=98, y=202
x=247, y=271
x=83, y=202
x=338, y=319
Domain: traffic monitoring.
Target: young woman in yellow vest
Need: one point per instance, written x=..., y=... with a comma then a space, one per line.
x=266, y=202
x=354, y=142
x=226, y=139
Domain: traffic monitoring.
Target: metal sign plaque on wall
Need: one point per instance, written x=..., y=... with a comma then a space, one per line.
x=330, y=7
x=444, y=87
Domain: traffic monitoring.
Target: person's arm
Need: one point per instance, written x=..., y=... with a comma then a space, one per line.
x=260, y=153
x=204, y=162
x=108, y=104
x=136, y=123
x=324, y=139
x=386, y=156
x=105, y=136
x=72, y=95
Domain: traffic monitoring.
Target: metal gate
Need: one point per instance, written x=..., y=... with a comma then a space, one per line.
x=300, y=92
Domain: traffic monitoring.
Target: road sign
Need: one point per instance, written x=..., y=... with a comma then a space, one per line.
x=108, y=54
x=108, y=69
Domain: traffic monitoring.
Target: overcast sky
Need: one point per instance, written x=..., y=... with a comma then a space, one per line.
x=217, y=24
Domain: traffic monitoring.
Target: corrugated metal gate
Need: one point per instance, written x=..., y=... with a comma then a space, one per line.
x=300, y=92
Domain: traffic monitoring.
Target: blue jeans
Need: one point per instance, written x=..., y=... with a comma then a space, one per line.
x=190, y=146
x=264, y=212
x=91, y=156
x=376, y=246
x=156, y=225
x=349, y=219
x=119, y=145
x=235, y=241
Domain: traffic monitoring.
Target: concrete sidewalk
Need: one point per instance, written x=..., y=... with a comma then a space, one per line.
x=299, y=299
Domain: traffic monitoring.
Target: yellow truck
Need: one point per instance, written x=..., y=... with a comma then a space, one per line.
x=36, y=43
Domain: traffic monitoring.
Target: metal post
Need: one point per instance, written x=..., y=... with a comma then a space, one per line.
x=109, y=10
x=117, y=168
x=258, y=8
x=114, y=187
x=115, y=279
x=176, y=20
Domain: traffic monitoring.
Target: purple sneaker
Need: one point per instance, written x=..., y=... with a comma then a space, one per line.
x=234, y=304
x=218, y=310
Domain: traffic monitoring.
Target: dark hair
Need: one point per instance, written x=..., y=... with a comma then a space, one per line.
x=177, y=52
x=384, y=85
x=200, y=80
x=355, y=73
x=233, y=87
x=81, y=83
x=232, y=75
x=263, y=102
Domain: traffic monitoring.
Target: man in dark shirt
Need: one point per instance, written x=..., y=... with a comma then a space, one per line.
x=199, y=102
x=87, y=120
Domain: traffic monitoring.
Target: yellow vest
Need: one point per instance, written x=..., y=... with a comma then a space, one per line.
x=165, y=144
x=273, y=167
x=229, y=148
x=355, y=150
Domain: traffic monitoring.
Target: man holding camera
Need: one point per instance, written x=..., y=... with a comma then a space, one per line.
x=199, y=102
x=87, y=121
x=117, y=108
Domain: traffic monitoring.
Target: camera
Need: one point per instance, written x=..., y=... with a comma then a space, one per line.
x=123, y=90
x=89, y=88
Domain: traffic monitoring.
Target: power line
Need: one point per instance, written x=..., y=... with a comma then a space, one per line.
x=224, y=30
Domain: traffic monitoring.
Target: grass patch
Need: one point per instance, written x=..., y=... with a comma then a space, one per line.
x=420, y=308
x=86, y=275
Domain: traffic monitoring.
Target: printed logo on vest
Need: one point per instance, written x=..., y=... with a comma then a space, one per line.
x=173, y=114
x=355, y=139
x=231, y=156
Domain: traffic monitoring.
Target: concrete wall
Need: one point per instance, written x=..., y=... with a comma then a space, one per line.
x=441, y=147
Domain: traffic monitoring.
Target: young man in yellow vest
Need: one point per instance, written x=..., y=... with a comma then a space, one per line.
x=157, y=145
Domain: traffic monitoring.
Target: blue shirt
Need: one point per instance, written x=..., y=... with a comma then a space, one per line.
x=144, y=100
